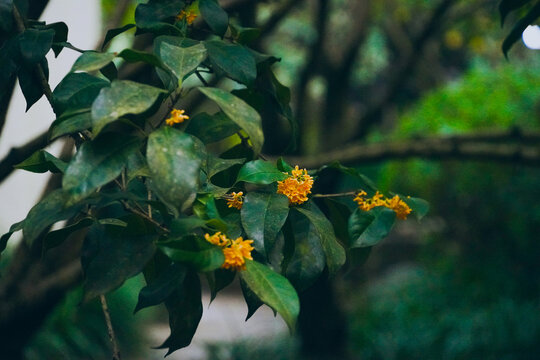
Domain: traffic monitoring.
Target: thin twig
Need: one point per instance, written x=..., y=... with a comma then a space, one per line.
x=112, y=337
x=149, y=206
x=349, y=193
x=144, y=215
x=205, y=83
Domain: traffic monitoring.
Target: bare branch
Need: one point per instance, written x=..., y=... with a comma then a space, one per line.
x=18, y=154
x=112, y=336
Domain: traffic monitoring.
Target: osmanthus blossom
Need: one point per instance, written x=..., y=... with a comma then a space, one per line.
x=236, y=251
x=395, y=203
x=297, y=186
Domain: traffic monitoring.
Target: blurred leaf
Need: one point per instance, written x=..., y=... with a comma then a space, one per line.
x=181, y=60
x=70, y=123
x=507, y=6
x=112, y=33
x=273, y=289
x=420, y=207
x=245, y=35
x=194, y=251
x=521, y=25
x=211, y=128
x=351, y=172
x=233, y=60
x=92, y=60
x=41, y=161
x=260, y=172
x=185, y=311
x=218, y=280
x=98, y=162
x=35, y=44
x=263, y=216
x=215, y=16
x=241, y=113
x=283, y=166
x=335, y=254
x=339, y=215
x=369, y=228
x=161, y=287
x=77, y=91
x=252, y=301
x=123, y=97
x=111, y=254
x=180, y=227
x=174, y=164
x=57, y=237
x=5, y=237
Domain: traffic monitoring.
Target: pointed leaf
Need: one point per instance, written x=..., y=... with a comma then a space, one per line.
x=260, y=172
x=212, y=128
x=70, y=123
x=181, y=60
x=92, y=60
x=519, y=27
x=233, y=60
x=252, y=301
x=77, y=91
x=57, y=237
x=35, y=44
x=41, y=161
x=215, y=16
x=218, y=280
x=112, y=33
x=195, y=252
x=161, y=287
x=369, y=228
x=420, y=207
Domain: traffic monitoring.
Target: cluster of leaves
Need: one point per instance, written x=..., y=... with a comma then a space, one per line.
x=145, y=194
x=527, y=10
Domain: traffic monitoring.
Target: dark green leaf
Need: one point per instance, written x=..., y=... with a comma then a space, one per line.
x=70, y=123
x=335, y=254
x=366, y=182
x=112, y=33
x=260, y=172
x=274, y=290
x=233, y=60
x=123, y=97
x=369, y=228
x=112, y=254
x=507, y=6
x=339, y=215
x=97, y=163
x=137, y=166
x=60, y=36
x=174, y=164
x=216, y=164
x=181, y=227
x=181, y=60
x=245, y=35
x=77, y=91
x=185, y=311
x=215, y=16
x=195, y=252
x=161, y=287
x=112, y=222
x=263, y=216
x=57, y=237
x=5, y=237
x=283, y=166
x=41, y=161
x=6, y=15
x=92, y=61
x=420, y=207
x=35, y=44
x=211, y=128
x=241, y=113
x=132, y=56
x=30, y=82
x=252, y=301
x=218, y=280
x=9, y=63
x=520, y=26
x=109, y=71
x=155, y=14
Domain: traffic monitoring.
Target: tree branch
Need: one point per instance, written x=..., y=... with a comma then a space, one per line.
x=18, y=154
x=503, y=147
x=112, y=336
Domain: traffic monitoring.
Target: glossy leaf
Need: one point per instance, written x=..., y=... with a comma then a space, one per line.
x=60, y=36
x=181, y=60
x=98, y=162
x=215, y=16
x=70, y=123
x=161, y=287
x=215, y=165
x=112, y=33
x=5, y=237
x=260, y=172
x=174, y=164
x=212, y=128
x=35, y=44
x=233, y=60
x=252, y=301
x=131, y=56
x=92, y=61
x=41, y=161
x=77, y=91
x=123, y=97
x=57, y=237
x=218, y=280
x=241, y=113
x=30, y=82
x=112, y=254
x=263, y=216
x=273, y=289
x=194, y=251
x=420, y=207
x=154, y=14
x=334, y=252
x=369, y=228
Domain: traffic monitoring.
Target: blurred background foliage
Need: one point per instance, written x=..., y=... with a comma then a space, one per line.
x=462, y=284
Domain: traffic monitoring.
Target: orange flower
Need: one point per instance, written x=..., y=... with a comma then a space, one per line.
x=217, y=239
x=177, y=117
x=236, y=251
x=297, y=186
x=399, y=206
x=236, y=200
x=189, y=15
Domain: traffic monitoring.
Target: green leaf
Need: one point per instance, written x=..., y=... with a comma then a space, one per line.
x=9, y=62
x=369, y=228
x=519, y=27
x=420, y=207
x=194, y=251
x=155, y=14
x=41, y=161
x=215, y=16
x=233, y=60
x=132, y=56
x=53, y=208
x=507, y=6
x=211, y=128
x=123, y=97
x=181, y=60
x=283, y=166
x=30, y=82
x=215, y=165
x=77, y=91
x=263, y=216
x=252, y=301
x=241, y=113
x=308, y=260
x=6, y=15
x=35, y=44
x=365, y=181
x=185, y=311
x=218, y=280
x=174, y=164
x=112, y=33
x=57, y=237
x=112, y=254
x=160, y=288
x=5, y=237
x=98, y=162
x=339, y=214
x=60, y=36
x=273, y=289
x=335, y=254
x=260, y=172
x=181, y=227
x=92, y=60
x=70, y=123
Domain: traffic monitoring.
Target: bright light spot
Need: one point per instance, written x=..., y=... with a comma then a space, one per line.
x=531, y=37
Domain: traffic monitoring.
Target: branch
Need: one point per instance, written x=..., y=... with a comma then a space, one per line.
x=495, y=147
x=18, y=154
x=112, y=337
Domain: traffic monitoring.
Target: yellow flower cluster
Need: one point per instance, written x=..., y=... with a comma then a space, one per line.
x=177, y=117
x=235, y=200
x=236, y=251
x=189, y=15
x=297, y=186
x=399, y=206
